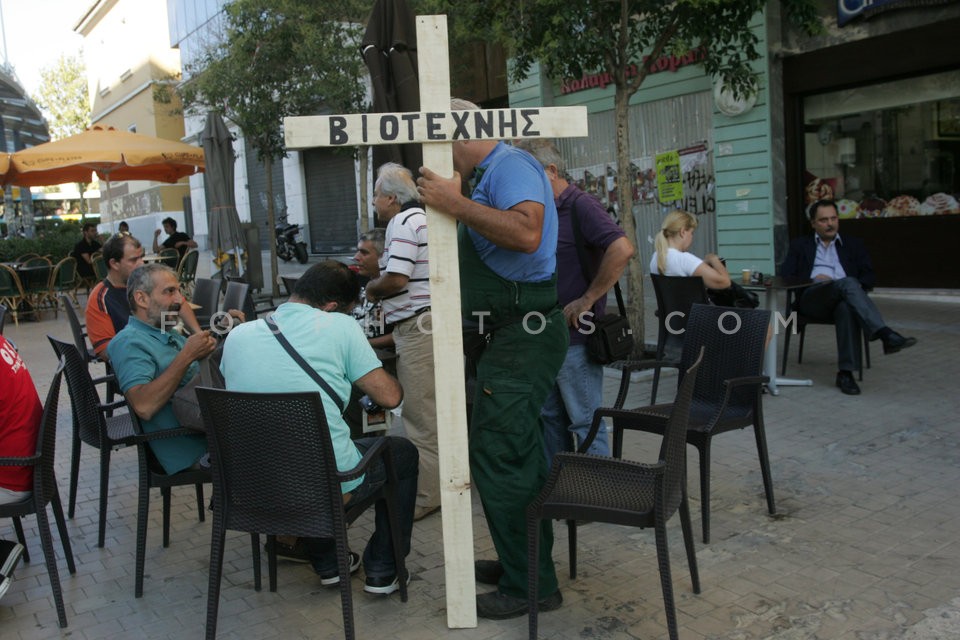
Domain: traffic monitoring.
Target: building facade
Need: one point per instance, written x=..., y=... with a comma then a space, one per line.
x=866, y=113
x=131, y=70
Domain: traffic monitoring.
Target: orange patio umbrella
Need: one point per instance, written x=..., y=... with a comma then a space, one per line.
x=108, y=152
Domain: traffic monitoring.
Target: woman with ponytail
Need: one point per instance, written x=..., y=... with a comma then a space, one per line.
x=671, y=257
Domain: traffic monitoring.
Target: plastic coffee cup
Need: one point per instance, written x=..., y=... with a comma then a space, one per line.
x=745, y=276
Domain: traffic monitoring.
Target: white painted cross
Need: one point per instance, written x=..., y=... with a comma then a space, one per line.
x=440, y=127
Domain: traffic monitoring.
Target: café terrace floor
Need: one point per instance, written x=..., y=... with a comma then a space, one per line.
x=865, y=544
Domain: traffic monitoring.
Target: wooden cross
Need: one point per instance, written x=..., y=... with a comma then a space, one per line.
x=438, y=127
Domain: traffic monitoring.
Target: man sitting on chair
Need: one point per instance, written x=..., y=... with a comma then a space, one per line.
x=842, y=275
x=317, y=323
x=175, y=239
x=107, y=307
x=152, y=361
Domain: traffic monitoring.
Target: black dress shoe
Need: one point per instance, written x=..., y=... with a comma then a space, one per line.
x=499, y=606
x=847, y=384
x=488, y=571
x=895, y=342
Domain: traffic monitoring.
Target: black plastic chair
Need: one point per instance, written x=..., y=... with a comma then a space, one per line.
x=153, y=476
x=675, y=295
x=727, y=396
x=238, y=296
x=793, y=296
x=206, y=293
x=291, y=487
x=77, y=328
x=44, y=492
x=289, y=282
x=634, y=494
x=93, y=424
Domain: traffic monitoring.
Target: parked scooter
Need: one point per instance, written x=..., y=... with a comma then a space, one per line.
x=290, y=242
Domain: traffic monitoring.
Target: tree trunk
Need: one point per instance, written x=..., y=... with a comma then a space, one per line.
x=634, y=297
x=271, y=227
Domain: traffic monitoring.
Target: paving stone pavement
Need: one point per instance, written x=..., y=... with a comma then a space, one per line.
x=864, y=545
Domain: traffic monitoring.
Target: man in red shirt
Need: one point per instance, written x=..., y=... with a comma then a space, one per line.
x=20, y=414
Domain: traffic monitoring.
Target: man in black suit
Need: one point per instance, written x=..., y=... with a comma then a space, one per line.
x=842, y=275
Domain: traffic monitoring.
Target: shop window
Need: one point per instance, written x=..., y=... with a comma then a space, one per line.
x=887, y=150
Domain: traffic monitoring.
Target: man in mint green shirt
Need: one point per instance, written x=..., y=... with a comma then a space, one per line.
x=317, y=323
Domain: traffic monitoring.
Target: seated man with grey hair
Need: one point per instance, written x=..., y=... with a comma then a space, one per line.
x=152, y=361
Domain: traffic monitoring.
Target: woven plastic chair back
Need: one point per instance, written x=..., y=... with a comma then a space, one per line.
x=673, y=449
x=675, y=296
x=235, y=296
x=206, y=293
x=79, y=339
x=734, y=340
x=284, y=484
x=83, y=394
x=46, y=485
x=64, y=276
x=187, y=270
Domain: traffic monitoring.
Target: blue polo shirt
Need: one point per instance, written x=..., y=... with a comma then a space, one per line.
x=333, y=344
x=509, y=176
x=139, y=354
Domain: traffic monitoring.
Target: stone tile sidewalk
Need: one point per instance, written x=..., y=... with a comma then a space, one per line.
x=865, y=545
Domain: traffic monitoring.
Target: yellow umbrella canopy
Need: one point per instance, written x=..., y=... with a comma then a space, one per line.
x=110, y=153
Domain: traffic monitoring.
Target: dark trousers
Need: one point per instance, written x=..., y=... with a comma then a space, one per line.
x=845, y=303
x=514, y=376
x=378, y=560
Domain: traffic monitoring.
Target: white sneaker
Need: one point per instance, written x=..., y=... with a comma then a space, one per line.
x=10, y=553
x=330, y=579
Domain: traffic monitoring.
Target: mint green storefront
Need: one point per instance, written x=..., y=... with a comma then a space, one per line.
x=729, y=182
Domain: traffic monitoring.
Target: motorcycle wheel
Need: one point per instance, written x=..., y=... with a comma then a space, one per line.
x=301, y=251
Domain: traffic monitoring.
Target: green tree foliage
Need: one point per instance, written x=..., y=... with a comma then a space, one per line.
x=63, y=97
x=279, y=58
x=569, y=39
x=64, y=101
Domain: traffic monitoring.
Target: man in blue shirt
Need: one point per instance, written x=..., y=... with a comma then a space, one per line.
x=842, y=275
x=507, y=239
x=152, y=361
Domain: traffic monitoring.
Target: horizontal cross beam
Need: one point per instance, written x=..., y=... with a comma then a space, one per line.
x=434, y=126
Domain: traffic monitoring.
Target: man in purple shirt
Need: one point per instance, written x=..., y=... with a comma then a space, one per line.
x=582, y=291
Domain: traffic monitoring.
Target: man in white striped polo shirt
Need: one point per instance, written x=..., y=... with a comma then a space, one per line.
x=404, y=289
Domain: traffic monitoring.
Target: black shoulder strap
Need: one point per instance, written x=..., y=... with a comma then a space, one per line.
x=310, y=371
x=580, y=244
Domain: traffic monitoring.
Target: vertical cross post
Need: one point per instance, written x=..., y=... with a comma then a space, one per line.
x=438, y=128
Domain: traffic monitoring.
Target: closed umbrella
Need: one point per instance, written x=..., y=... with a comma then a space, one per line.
x=226, y=236
x=389, y=48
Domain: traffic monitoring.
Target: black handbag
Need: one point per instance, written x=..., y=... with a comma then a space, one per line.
x=612, y=338
x=734, y=296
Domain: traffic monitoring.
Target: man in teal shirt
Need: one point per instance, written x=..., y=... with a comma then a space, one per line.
x=152, y=361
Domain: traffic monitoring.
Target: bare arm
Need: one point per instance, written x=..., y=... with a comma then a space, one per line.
x=385, y=285
x=190, y=243
x=614, y=261
x=382, y=388
x=156, y=245
x=147, y=399
x=518, y=228
x=190, y=318
x=713, y=272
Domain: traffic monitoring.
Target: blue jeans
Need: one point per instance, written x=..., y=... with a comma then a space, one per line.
x=569, y=408
x=378, y=560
